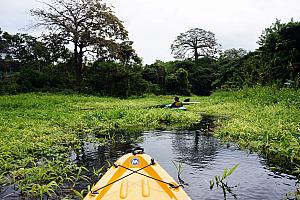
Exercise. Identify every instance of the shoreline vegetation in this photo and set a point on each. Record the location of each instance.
(102, 94)
(38, 131)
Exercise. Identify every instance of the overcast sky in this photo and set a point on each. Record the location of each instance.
(154, 24)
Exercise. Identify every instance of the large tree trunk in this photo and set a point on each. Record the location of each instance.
(80, 61)
(78, 64)
(196, 55)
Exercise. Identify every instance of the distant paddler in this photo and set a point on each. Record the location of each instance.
(185, 102)
(177, 103)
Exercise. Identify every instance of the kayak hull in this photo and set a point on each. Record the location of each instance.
(136, 177)
(175, 108)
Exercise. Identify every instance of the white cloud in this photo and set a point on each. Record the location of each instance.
(154, 24)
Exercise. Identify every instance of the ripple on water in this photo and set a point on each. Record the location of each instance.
(203, 157)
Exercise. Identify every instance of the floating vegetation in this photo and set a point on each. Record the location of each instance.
(263, 119)
(39, 131)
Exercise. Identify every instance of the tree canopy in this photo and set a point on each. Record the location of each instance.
(91, 26)
(34, 64)
(280, 51)
(195, 43)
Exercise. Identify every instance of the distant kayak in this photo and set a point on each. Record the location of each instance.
(136, 176)
(185, 102)
(179, 108)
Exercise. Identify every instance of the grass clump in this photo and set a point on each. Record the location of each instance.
(262, 119)
(39, 131)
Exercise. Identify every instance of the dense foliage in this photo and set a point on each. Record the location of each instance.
(275, 62)
(91, 26)
(39, 131)
(30, 64)
(113, 79)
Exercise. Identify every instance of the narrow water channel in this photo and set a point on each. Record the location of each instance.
(203, 157)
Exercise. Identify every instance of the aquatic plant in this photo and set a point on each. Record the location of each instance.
(219, 181)
(295, 195)
(179, 169)
(39, 131)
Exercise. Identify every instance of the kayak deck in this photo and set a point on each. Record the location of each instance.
(136, 177)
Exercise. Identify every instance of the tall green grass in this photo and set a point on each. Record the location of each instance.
(262, 119)
(38, 131)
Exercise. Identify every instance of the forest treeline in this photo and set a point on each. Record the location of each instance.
(30, 64)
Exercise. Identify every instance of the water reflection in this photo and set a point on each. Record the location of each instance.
(195, 148)
(95, 156)
(203, 157)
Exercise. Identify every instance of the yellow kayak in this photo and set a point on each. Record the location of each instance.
(136, 176)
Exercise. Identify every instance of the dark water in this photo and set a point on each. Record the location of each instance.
(202, 158)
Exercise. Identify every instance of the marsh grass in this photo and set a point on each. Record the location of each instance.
(262, 119)
(38, 131)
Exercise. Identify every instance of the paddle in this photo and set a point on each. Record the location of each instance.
(195, 102)
(187, 101)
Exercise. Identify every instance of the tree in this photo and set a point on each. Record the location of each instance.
(280, 51)
(58, 52)
(231, 54)
(195, 43)
(178, 83)
(2, 44)
(230, 69)
(115, 79)
(90, 25)
(24, 49)
(126, 54)
(200, 74)
(156, 74)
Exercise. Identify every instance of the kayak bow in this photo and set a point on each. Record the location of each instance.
(136, 176)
